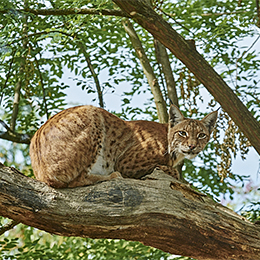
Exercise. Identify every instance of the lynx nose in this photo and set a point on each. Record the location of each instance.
(192, 146)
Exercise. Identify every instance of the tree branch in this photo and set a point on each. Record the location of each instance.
(7, 76)
(69, 11)
(43, 87)
(163, 59)
(148, 71)
(13, 136)
(159, 211)
(92, 71)
(143, 14)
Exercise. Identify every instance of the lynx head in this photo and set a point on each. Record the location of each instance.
(188, 137)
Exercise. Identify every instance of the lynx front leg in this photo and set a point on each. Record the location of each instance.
(90, 179)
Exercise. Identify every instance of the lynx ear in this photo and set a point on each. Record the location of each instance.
(175, 116)
(210, 120)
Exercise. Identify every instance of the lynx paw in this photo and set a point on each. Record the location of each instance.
(114, 175)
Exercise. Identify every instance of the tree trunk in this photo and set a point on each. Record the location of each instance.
(159, 211)
(184, 50)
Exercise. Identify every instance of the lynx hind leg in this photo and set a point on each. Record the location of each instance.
(52, 181)
(90, 179)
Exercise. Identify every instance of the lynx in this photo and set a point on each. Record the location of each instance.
(84, 145)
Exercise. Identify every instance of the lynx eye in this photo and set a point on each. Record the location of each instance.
(183, 133)
(201, 136)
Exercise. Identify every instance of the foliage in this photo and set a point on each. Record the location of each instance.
(35, 52)
(34, 244)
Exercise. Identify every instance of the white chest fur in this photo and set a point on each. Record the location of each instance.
(101, 165)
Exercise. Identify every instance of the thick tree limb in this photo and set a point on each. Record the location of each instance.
(158, 211)
(184, 50)
(93, 73)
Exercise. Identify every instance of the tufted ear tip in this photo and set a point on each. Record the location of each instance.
(210, 120)
(175, 116)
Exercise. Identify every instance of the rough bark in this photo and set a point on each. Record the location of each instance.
(159, 211)
(184, 50)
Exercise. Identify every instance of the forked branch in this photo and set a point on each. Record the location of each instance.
(148, 71)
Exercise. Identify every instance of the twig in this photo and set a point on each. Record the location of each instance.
(43, 88)
(244, 54)
(94, 75)
(7, 76)
(252, 45)
(258, 13)
(11, 43)
(81, 46)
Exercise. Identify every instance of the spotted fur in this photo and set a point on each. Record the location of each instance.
(84, 145)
